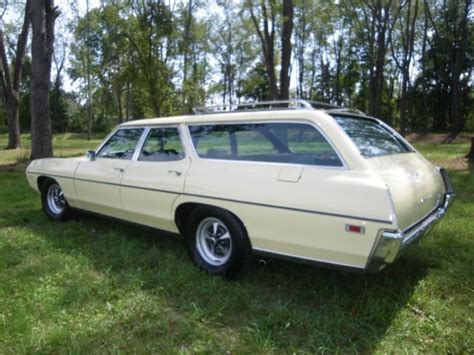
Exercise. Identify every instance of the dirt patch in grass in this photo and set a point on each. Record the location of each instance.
(17, 167)
(439, 138)
(455, 164)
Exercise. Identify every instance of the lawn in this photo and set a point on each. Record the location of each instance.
(92, 285)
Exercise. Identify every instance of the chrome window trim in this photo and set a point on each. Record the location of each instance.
(299, 121)
(148, 130)
(106, 139)
(111, 134)
(140, 144)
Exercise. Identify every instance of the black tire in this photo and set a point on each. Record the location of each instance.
(239, 257)
(57, 210)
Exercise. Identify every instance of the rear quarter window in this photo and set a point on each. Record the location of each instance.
(294, 143)
(372, 139)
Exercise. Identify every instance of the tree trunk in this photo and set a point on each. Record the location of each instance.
(42, 17)
(313, 73)
(187, 39)
(403, 103)
(338, 54)
(286, 49)
(461, 32)
(127, 103)
(119, 105)
(267, 40)
(470, 155)
(11, 86)
(378, 35)
(424, 86)
(13, 116)
(88, 78)
(300, 44)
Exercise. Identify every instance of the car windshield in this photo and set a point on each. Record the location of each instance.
(372, 138)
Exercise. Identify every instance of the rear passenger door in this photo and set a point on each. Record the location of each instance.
(152, 182)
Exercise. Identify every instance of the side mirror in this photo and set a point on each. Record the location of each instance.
(90, 155)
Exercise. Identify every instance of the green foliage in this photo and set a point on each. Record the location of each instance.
(450, 45)
(254, 87)
(158, 58)
(138, 54)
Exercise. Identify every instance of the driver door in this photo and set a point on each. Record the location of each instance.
(97, 182)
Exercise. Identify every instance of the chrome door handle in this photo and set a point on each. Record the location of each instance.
(176, 172)
(119, 170)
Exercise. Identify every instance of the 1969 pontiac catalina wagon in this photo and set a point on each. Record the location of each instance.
(293, 179)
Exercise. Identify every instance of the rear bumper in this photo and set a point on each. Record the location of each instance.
(391, 244)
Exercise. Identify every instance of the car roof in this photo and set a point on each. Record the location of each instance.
(249, 115)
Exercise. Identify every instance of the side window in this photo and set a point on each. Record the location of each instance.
(211, 141)
(162, 144)
(251, 141)
(304, 139)
(295, 143)
(122, 144)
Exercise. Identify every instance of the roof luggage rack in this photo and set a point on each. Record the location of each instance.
(293, 104)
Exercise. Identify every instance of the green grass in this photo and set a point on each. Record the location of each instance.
(65, 145)
(91, 285)
(443, 151)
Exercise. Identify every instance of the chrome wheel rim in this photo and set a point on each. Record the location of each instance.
(55, 199)
(213, 241)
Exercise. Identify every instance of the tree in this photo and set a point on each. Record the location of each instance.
(265, 23)
(451, 31)
(446, 65)
(11, 86)
(192, 38)
(406, 20)
(377, 17)
(235, 51)
(88, 79)
(42, 14)
(470, 155)
(286, 34)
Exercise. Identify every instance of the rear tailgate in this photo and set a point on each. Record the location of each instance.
(416, 186)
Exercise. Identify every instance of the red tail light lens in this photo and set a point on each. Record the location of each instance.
(351, 228)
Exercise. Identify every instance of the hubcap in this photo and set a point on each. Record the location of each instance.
(213, 241)
(55, 199)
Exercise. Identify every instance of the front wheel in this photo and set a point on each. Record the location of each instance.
(54, 203)
(217, 242)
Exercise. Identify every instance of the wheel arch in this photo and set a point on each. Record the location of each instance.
(184, 210)
(41, 180)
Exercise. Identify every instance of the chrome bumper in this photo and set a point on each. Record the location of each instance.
(391, 244)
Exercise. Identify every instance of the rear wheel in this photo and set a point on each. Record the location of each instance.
(217, 242)
(54, 203)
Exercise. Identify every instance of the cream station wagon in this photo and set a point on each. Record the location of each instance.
(291, 179)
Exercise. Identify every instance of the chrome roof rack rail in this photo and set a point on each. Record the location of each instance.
(323, 105)
(257, 105)
(345, 109)
(292, 104)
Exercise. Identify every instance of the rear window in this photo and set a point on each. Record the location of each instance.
(295, 143)
(372, 139)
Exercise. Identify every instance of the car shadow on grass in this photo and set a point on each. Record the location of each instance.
(281, 306)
